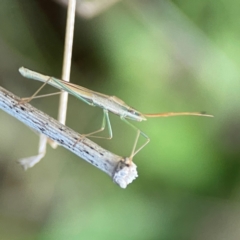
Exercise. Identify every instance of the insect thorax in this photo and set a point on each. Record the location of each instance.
(111, 103)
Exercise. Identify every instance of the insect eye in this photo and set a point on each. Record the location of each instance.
(132, 111)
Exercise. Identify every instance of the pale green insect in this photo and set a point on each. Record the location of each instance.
(108, 103)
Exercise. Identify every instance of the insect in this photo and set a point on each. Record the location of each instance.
(107, 103)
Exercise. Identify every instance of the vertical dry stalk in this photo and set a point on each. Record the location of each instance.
(67, 59)
(31, 161)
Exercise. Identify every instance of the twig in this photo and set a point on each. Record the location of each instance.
(115, 166)
(67, 58)
(62, 111)
(91, 9)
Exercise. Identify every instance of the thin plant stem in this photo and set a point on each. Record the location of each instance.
(67, 59)
(32, 160)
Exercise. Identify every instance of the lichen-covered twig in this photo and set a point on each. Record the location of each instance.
(115, 166)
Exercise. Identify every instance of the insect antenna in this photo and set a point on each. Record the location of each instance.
(172, 114)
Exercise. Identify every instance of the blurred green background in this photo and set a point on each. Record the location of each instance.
(158, 56)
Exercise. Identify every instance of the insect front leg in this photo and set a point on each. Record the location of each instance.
(139, 132)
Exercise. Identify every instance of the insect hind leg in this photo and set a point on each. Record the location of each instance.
(26, 100)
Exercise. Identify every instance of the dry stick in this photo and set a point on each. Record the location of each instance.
(67, 58)
(31, 161)
(115, 166)
(91, 9)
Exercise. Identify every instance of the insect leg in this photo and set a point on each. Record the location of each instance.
(26, 100)
(105, 119)
(134, 151)
(92, 134)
